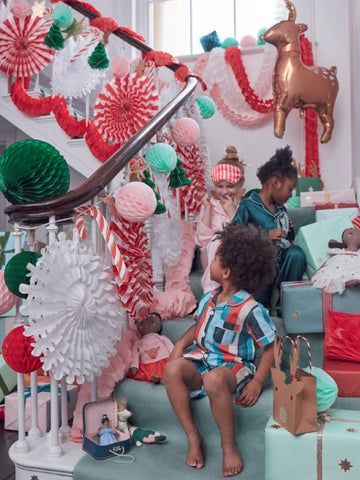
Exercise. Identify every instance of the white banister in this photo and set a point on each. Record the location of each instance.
(34, 431)
(65, 429)
(94, 241)
(22, 445)
(55, 448)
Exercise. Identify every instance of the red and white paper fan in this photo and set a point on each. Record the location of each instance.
(22, 49)
(124, 106)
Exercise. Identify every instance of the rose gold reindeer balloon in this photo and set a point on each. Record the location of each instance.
(294, 84)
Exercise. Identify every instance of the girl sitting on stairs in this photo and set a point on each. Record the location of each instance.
(230, 326)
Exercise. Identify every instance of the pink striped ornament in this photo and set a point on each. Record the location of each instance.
(116, 257)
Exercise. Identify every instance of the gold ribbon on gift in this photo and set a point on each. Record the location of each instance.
(323, 418)
(327, 196)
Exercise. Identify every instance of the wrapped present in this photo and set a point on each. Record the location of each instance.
(336, 212)
(314, 238)
(331, 453)
(11, 407)
(346, 375)
(304, 308)
(308, 199)
(7, 379)
(308, 184)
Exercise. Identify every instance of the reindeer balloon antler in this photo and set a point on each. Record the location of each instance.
(292, 10)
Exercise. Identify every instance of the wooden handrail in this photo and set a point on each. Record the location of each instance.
(63, 206)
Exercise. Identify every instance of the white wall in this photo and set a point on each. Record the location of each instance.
(328, 22)
(355, 71)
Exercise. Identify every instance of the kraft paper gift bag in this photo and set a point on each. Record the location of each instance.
(294, 402)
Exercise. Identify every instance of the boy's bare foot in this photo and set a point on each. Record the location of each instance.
(195, 457)
(232, 463)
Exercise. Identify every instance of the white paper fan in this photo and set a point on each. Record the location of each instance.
(74, 314)
(72, 76)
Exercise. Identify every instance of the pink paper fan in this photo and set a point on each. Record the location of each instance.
(22, 49)
(124, 106)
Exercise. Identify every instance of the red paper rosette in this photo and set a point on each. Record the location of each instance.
(22, 49)
(17, 351)
(124, 106)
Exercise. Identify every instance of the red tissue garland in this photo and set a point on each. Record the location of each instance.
(234, 59)
(98, 147)
(311, 119)
(34, 107)
(73, 127)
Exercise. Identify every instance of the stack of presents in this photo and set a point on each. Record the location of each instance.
(325, 441)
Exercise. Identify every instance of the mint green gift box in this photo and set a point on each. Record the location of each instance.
(7, 379)
(332, 453)
(313, 240)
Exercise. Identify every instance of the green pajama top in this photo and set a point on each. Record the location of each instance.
(252, 210)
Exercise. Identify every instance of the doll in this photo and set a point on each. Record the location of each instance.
(151, 351)
(343, 269)
(137, 435)
(106, 434)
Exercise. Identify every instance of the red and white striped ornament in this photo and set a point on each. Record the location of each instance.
(116, 257)
(125, 106)
(22, 49)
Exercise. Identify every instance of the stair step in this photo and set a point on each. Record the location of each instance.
(151, 409)
(77, 142)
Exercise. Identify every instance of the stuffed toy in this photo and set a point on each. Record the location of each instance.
(343, 269)
(151, 351)
(137, 435)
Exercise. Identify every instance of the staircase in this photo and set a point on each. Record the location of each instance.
(45, 128)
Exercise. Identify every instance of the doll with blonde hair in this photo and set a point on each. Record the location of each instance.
(219, 208)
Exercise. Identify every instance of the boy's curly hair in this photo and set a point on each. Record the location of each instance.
(249, 253)
(280, 165)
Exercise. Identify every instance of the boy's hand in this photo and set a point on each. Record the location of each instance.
(277, 233)
(250, 393)
(176, 353)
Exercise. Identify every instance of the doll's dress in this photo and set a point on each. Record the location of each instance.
(106, 436)
(339, 269)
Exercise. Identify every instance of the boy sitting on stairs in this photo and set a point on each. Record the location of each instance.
(230, 326)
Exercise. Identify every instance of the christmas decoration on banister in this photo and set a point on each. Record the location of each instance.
(22, 49)
(17, 350)
(17, 271)
(177, 178)
(125, 105)
(160, 208)
(44, 175)
(74, 315)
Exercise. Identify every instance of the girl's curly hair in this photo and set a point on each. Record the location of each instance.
(249, 253)
(280, 165)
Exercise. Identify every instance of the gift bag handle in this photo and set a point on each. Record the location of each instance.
(300, 338)
(278, 352)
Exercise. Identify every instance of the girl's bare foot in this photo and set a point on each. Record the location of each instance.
(195, 457)
(232, 463)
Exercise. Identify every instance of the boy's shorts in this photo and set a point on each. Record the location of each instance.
(242, 373)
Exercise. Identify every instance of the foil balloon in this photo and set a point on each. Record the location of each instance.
(294, 84)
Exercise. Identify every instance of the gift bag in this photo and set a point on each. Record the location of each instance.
(294, 402)
(342, 336)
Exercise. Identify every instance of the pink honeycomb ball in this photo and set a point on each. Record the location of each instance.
(248, 41)
(119, 66)
(135, 202)
(185, 132)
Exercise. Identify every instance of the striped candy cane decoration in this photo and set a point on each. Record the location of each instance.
(116, 257)
(356, 222)
(300, 338)
(93, 41)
